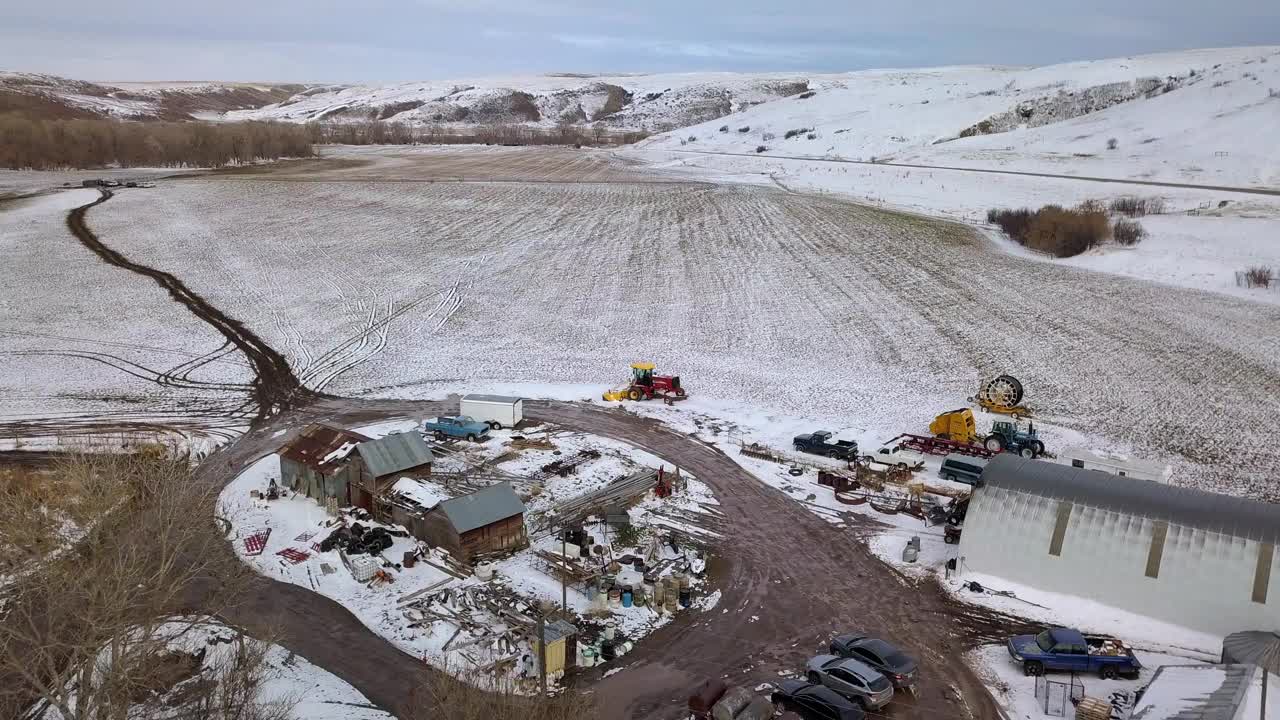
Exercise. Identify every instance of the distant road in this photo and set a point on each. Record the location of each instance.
(1121, 181)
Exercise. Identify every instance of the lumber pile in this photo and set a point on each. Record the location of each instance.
(620, 492)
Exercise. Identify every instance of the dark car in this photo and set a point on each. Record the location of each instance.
(815, 702)
(894, 664)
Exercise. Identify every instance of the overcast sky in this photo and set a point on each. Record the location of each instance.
(385, 40)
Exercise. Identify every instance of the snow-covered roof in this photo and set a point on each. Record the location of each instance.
(1232, 516)
(1195, 692)
(482, 507)
(426, 494)
(504, 399)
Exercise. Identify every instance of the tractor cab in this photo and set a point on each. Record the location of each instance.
(642, 374)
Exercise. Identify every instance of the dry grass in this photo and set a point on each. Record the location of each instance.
(444, 697)
(1137, 207)
(1053, 229)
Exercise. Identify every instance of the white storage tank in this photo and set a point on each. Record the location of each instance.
(497, 411)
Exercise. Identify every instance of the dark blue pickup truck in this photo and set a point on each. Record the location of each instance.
(1066, 649)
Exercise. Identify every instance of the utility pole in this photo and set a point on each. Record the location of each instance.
(564, 587)
(542, 651)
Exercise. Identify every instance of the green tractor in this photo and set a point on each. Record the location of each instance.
(1006, 436)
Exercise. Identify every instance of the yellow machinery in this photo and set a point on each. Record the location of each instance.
(956, 425)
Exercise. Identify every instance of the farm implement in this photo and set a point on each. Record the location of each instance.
(1002, 394)
(645, 385)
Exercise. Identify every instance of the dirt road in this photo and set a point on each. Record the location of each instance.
(788, 582)
(989, 171)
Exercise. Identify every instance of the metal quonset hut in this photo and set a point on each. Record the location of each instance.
(1198, 559)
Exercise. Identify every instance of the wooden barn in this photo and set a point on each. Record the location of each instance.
(318, 464)
(488, 520)
(383, 461)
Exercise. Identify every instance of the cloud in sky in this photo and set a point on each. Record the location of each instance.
(385, 40)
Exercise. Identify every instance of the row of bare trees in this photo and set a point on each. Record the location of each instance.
(374, 132)
(47, 144)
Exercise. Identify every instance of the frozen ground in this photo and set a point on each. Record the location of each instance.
(300, 523)
(381, 288)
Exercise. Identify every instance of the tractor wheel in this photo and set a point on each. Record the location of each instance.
(1037, 447)
(635, 394)
(1027, 452)
(994, 443)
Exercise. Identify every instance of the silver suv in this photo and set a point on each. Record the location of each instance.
(851, 678)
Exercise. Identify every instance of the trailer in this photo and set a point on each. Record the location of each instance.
(496, 411)
(940, 446)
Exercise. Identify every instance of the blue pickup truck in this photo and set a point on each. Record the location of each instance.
(1066, 649)
(462, 426)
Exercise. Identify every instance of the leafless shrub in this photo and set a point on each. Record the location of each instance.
(1092, 205)
(1053, 229)
(1273, 93)
(761, 148)
(767, 136)
(812, 136)
(1259, 276)
(795, 132)
(693, 138)
(807, 95)
(1128, 232)
(724, 128)
(1131, 206)
(744, 129)
(1112, 144)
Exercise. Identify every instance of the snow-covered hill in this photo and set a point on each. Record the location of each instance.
(631, 102)
(1205, 116)
(50, 96)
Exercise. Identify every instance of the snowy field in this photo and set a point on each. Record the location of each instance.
(802, 304)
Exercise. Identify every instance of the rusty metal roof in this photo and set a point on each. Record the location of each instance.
(317, 444)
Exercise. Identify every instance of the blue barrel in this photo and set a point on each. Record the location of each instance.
(686, 596)
(626, 596)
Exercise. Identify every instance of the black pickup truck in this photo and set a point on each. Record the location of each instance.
(820, 443)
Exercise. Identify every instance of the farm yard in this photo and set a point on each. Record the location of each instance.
(404, 288)
(545, 272)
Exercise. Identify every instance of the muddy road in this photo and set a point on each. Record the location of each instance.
(274, 386)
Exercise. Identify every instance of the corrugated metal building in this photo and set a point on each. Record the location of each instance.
(317, 463)
(384, 461)
(1198, 559)
(488, 520)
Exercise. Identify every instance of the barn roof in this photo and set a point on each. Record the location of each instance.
(321, 446)
(482, 507)
(394, 453)
(1233, 516)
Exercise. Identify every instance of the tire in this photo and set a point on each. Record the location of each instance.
(1108, 672)
(1027, 452)
(902, 466)
(471, 437)
(862, 702)
(951, 478)
(1037, 447)
(867, 459)
(813, 678)
(635, 394)
(946, 539)
(1032, 669)
(496, 426)
(994, 443)
(440, 435)
(834, 454)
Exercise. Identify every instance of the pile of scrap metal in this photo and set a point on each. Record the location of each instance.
(359, 540)
(713, 700)
(487, 616)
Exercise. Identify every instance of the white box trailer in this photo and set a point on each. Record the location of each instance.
(496, 411)
(1116, 464)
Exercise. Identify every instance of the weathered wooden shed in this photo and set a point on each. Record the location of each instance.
(384, 461)
(317, 463)
(488, 520)
(561, 641)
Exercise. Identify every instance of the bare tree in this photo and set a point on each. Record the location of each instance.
(446, 697)
(86, 634)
